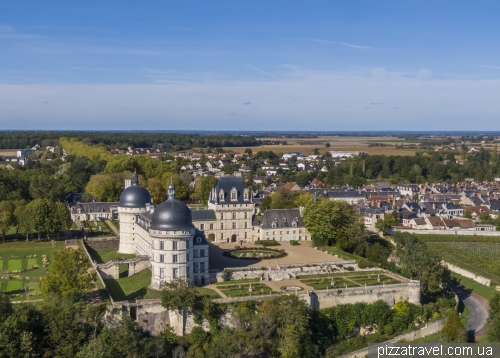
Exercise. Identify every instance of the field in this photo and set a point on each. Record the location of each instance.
(482, 258)
(349, 279)
(478, 254)
(22, 262)
(338, 143)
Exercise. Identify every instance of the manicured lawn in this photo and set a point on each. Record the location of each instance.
(15, 265)
(103, 256)
(353, 279)
(243, 289)
(133, 287)
(429, 338)
(482, 290)
(116, 223)
(14, 285)
(202, 291)
(336, 251)
(104, 229)
(238, 281)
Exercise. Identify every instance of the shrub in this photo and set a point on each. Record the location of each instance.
(268, 243)
(294, 242)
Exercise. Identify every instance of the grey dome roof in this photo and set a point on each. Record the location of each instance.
(172, 214)
(135, 196)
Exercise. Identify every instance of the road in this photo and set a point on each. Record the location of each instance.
(478, 311)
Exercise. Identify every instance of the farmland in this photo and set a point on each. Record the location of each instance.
(337, 143)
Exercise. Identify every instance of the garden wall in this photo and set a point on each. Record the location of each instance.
(451, 232)
(430, 328)
(391, 294)
(480, 279)
(103, 243)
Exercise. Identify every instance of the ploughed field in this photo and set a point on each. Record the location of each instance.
(22, 267)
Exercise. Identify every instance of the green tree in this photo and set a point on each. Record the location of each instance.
(203, 186)
(39, 213)
(7, 218)
(377, 253)
(68, 274)
(23, 220)
(494, 319)
(178, 295)
(467, 215)
(453, 330)
(107, 187)
(157, 190)
(60, 218)
(332, 219)
(46, 187)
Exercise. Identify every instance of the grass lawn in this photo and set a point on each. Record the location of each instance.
(341, 254)
(429, 338)
(116, 223)
(104, 231)
(103, 256)
(202, 291)
(13, 286)
(15, 265)
(247, 280)
(353, 279)
(133, 287)
(243, 289)
(482, 290)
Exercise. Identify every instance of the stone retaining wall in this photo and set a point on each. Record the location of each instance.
(111, 269)
(480, 279)
(430, 328)
(103, 243)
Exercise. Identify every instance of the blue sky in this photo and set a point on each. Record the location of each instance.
(250, 65)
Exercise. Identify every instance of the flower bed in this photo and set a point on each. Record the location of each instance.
(255, 253)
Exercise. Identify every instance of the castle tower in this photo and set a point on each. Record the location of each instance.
(134, 200)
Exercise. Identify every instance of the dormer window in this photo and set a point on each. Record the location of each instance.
(294, 223)
(245, 194)
(221, 195)
(234, 194)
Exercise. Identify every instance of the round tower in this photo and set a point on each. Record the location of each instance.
(134, 200)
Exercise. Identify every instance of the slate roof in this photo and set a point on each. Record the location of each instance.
(203, 215)
(95, 207)
(199, 238)
(283, 218)
(226, 184)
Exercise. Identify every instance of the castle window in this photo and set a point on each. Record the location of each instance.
(234, 194)
(174, 245)
(234, 225)
(187, 256)
(195, 254)
(222, 226)
(246, 215)
(211, 226)
(187, 271)
(202, 253)
(245, 234)
(195, 267)
(221, 195)
(162, 245)
(202, 267)
(246, 194)
(162, 273)
(162, 258)
(222, 216)
(175, 273)
(202, 227)
(234, 216)
(221, 236)
(175, 258)
(246, 224)
(267, 233)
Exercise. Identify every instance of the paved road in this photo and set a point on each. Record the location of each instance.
(478, 311)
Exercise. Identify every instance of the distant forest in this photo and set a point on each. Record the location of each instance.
(123, 140)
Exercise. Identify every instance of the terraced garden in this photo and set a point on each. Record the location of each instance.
(348, 279)
(22, 266)
(243, 289)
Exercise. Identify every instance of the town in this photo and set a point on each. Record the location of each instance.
(161, 231)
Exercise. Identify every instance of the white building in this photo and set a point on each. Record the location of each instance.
(165, 233)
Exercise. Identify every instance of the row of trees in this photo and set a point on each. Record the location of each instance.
(38, 216)
(168, 141)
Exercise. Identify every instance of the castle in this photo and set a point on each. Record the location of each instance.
(176, 239)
